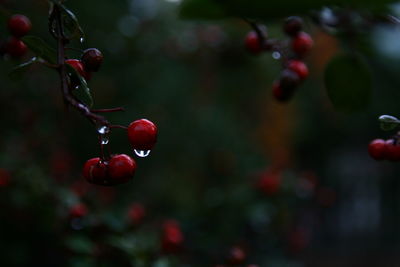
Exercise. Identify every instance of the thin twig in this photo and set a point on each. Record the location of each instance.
(69, 99)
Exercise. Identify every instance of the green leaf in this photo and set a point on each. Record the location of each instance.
(18, 71)
(388, 122)
(348, 82)
(205, 9)
(40, 48)
(80, 244)
(83, 92)
(71, 25)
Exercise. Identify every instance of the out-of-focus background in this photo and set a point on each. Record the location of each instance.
(324, 202)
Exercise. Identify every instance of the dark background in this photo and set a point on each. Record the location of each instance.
(220, 130)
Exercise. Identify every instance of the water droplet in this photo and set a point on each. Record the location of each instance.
(104, 140)
(276, 55)
(103, 129)
(142, 153)
(82, 39)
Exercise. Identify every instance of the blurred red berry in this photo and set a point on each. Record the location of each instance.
(253, 43)
(236, 256)
(78, 210)
(19, 25)
(142, 134)
(15, 47)
(302, 43)
(298, 67)
(172, 237)
(5, 178)
(293, 25)
(269, 182)
(136, 213)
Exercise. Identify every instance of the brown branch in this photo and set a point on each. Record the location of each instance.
(69, 99)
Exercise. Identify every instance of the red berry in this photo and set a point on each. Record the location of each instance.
(121, 168)
(280, 94)
(15, 47)
(172, 237)
(142, 134)
(236, 256)
(293, 25)
(5, 178)
(19, 25)
(78, 66)
(252, 43)
(298, 67)
(392, 150)
(136, 213)
(92, 59)
(269, 182)
(95, 171)
(79, 210)
(289, 80)
(378, 149)
(302, 43)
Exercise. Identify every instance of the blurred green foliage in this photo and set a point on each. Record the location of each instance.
(219, 132)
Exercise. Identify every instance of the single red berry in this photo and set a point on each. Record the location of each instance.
(19, 25)
(15, 47)
(121, 168)
(5, 178)
(298, 67)
(392, 150)
(78, 210)
(378, 149)
(252, 43)
(142, 134)
(95, 171)
(269, 182)
(78, 66)
(302, 43)
(293, 25)
(236, 256)
(92, 59)
(280, 94)
(136, 213)
(172, 237)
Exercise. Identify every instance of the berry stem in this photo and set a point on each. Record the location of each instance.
(118, 126)
(69, 99)
(106, 110)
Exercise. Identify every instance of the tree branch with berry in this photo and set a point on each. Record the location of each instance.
(107, 169)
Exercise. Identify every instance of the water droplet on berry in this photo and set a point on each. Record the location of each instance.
(103, 129)
(142, 153)
(276, 55)
(82, 39)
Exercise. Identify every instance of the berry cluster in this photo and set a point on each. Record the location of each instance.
(380, 149)
(18, 26)
(90, 61)
(294, 69)
(120, 168)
